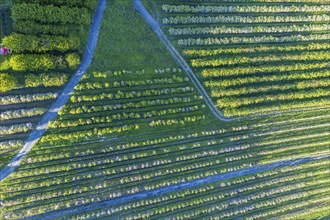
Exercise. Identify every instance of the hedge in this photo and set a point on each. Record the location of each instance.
(7, 82)
(45, 79)
(51, 14)
(31, 27)
(70, 3)
(33, 43)
(33, 62)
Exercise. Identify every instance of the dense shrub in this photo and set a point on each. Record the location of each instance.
(53, 79)
(73, 60)
(5, 64)
(32, 62)
(32, 80)
(71, 3)
(31, 27)
(25, 62)
(7, 82)
(45, 79)
(50, 14)
(33, 43)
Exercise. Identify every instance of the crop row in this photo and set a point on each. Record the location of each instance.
(305, 56)
(121, 73)
(251, 40)
(238, 81)
(21, 113)
(129, 105)
(121, 116)
(244, 19)
(181, 121)
(269, 88)
(256, 49)
(9, 145)
(15, 99)
(254, 1)
(244, 9)
(289, 106)
(12, 129)
(234, 102)
(316, 208)
(130, 83)
(89, 133)
(247, 29)
(237, 71)
(119, 95)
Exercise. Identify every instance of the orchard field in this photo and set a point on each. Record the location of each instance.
(136, 139)
(254, 57)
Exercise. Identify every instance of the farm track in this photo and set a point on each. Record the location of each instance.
(156, 192)
(63, 98)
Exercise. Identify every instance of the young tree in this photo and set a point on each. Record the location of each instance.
(73, 60)
(7, 82)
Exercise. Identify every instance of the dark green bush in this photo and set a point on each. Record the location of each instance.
(32, 62)
(7, 82)
(45, 79)
(51, 14)
(69, 3)
(33, 43)
(73, 60)
(31, 27)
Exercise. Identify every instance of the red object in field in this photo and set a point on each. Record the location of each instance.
(4, 51)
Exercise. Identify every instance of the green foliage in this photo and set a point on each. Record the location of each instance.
(306, 56)
(71, 3)
(5, 64)
(32, 27)
(45, 79)
(32, 80)
(7, 82)
(43, 43)
(73, 60)
(50, 14)
(32, 62)
(53, 79)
